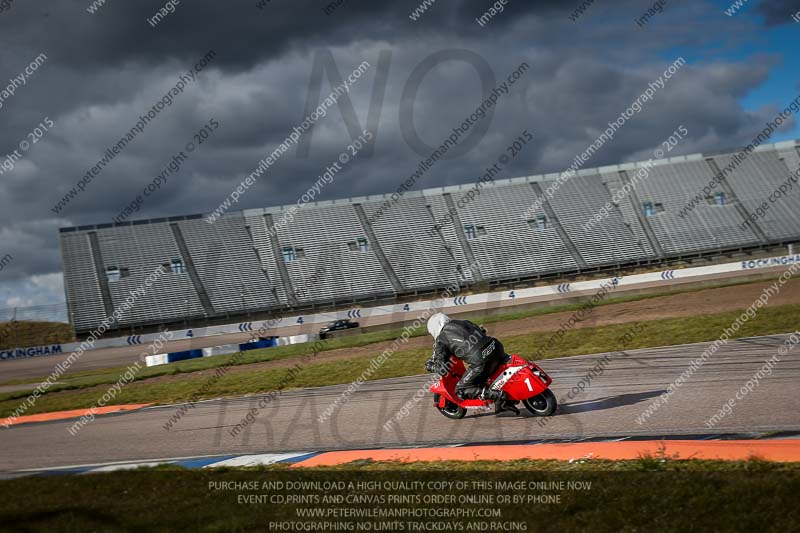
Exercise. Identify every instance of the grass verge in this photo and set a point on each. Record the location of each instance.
(596, 496)
(23, 333)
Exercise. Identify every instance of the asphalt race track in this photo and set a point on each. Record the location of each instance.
(608, 407)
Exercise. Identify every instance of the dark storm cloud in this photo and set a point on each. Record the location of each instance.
(778, 11)
(117, 33)
(105, 70)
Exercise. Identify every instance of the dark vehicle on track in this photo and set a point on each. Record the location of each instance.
(337, 325)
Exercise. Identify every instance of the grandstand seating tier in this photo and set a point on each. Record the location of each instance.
(344, 251)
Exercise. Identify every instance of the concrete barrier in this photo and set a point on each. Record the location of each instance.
(166, 358)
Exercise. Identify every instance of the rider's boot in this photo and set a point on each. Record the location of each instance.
(501, 401)
(506, 405)
(488, 393)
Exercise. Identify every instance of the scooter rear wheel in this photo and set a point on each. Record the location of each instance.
(544, 404)
(450, 410)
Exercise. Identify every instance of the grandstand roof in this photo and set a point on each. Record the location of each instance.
(593, 171)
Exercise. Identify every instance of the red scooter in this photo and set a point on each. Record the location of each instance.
(521, 380)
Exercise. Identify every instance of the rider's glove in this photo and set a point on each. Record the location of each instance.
(435, 367)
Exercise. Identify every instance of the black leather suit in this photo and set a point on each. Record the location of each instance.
(479, 351)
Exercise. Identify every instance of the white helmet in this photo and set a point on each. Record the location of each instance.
(436, 323)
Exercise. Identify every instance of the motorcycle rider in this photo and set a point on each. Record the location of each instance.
(482, 353)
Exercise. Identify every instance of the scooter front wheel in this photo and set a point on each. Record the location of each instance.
(450, 410)
(544, 404)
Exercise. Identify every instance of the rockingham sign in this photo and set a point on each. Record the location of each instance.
(771, 262)
(17, 353)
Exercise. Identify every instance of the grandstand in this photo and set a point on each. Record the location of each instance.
(330, 255)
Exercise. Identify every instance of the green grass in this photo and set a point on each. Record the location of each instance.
(614, 496)
(683, 330)
(20, 334)
(410, 362)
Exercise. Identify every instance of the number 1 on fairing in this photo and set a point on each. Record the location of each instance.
(528, 383)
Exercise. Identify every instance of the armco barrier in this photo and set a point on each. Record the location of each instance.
(413, 309)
